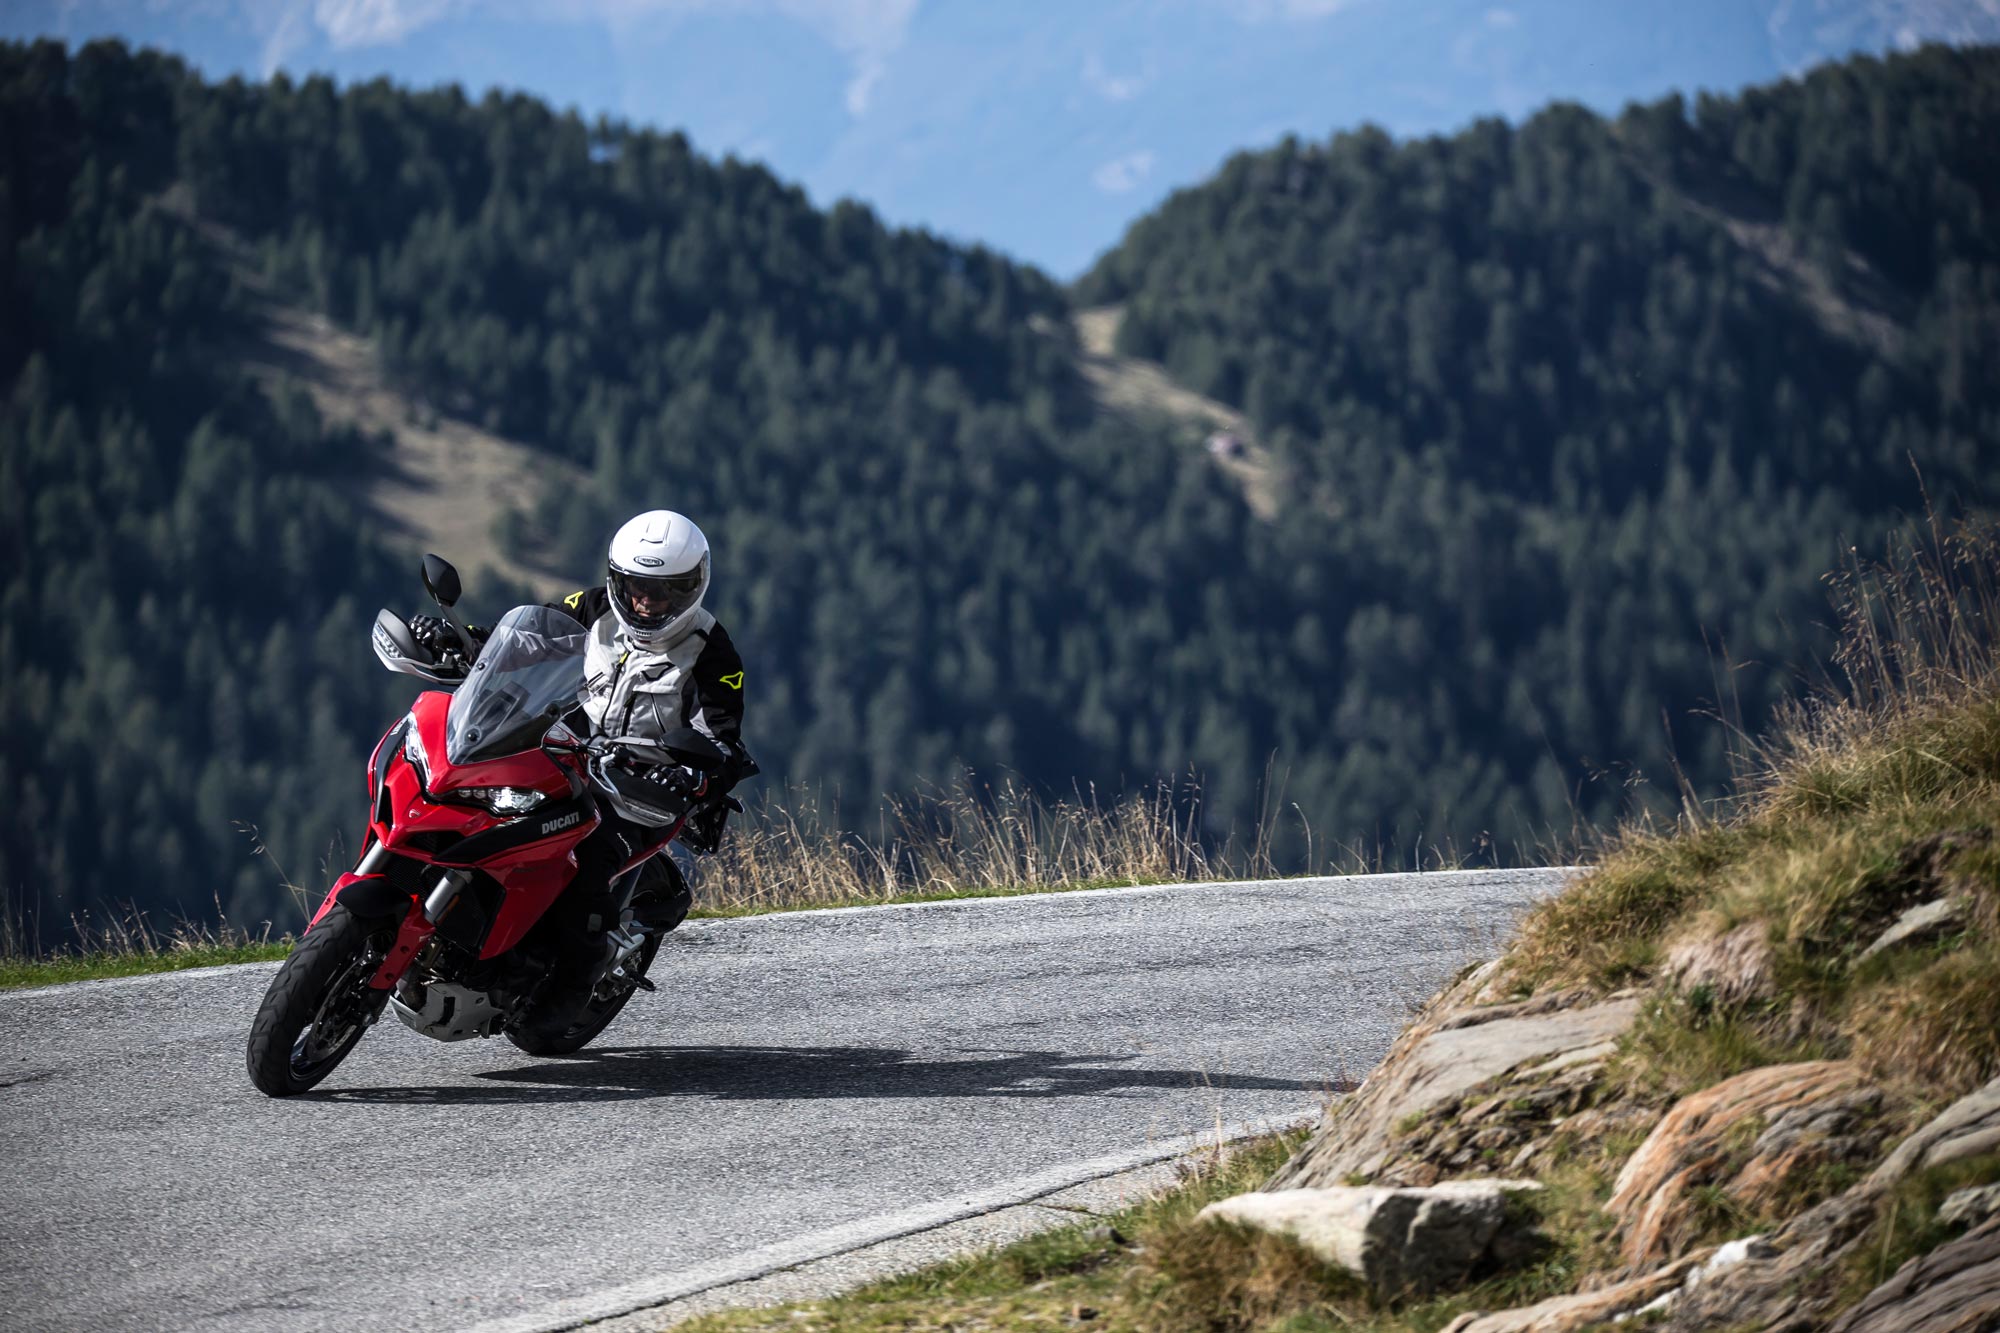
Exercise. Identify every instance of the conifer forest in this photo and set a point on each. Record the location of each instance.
(1562, 424)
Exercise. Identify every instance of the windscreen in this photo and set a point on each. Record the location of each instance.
(529, 674)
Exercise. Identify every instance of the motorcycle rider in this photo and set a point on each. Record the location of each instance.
(657, 662)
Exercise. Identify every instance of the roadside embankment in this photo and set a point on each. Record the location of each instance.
(1743, 1073)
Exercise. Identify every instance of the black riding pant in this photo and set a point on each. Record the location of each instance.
(589, 906)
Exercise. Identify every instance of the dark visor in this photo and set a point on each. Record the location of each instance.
(670, 594)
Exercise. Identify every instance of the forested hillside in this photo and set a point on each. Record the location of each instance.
(1557, 408)
(1579, 406)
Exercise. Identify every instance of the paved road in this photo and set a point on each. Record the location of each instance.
(800, 1083)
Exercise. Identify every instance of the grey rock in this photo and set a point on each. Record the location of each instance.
(1829, 1121)
(1953, 1289)
(1399, 1241)
(1966, 1128)
(1970, 1207)
(1354, 1140)
(1595, 1308)
(1925, 921)
(1779, 1284)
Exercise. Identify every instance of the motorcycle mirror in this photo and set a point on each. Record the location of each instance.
(441, 581)
(561, 737)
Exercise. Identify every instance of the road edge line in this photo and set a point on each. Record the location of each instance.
(631, 1298)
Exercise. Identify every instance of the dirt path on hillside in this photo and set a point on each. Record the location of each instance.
(1134, 386)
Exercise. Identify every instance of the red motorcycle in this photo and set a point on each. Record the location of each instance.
(479, 799)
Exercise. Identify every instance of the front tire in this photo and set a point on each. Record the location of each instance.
(317, 1007)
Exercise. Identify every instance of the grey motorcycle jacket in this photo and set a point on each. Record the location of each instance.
(697, 681)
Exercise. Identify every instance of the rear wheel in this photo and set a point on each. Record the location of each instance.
(564, 1027)
(317, 1006)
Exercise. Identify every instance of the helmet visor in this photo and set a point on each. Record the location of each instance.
(651, 600)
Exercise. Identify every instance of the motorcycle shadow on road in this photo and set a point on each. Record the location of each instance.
(795, 1073)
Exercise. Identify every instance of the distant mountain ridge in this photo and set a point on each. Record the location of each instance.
(1541, 432)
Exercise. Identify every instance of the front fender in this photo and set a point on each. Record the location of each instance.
(365, 896)
(374, 896)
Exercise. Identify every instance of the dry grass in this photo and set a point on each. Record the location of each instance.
(132, 945)
(962, 842)
(1827, 839)
(1939, 1028)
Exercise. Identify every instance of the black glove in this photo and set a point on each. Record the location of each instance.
(434, 633)
(676, 778)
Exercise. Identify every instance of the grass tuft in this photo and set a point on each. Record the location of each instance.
(1939, 1027)
(133, 946)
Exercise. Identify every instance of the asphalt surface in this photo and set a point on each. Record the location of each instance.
(801, 1084)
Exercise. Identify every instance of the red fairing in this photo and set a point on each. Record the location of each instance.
(531, 873)
(532, 884)
(375, 759)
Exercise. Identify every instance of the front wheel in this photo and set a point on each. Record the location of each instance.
(317, 1007)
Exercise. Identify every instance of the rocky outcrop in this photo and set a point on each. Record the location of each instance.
(1486, 1085)
(1966, 1128)
(1583, 1309)
(1750, 1135)
(1651, 1293)
(1480, 1069)
(1970, 1207)
(1953, 1289)
(1785, 1284)
(1790, 1289)
(1398, 1241)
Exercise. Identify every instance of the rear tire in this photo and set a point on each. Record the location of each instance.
(317, 1007)
(568, 1028)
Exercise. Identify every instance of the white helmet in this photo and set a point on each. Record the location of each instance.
(661, 558)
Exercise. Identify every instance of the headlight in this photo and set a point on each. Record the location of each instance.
(503, 800)
(413, 750)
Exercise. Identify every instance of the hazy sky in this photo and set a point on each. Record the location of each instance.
(1036, 126)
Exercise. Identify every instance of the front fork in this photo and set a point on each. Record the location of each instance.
(372, 894)
(419, 924)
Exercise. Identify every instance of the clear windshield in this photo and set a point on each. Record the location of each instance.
(528, 674)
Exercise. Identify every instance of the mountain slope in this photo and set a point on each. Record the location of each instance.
(1538, 434)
